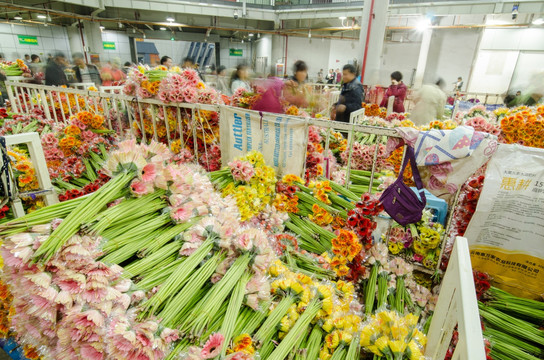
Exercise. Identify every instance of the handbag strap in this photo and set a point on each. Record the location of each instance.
(410, 156)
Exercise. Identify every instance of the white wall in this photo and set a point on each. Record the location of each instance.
(451, 55)
(122, 46)
(50, 40)
(343, 52)
(507, 59)
(263, 54)
(398, 56)
(230, 62)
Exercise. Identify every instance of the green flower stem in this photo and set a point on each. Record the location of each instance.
(370, 290)
(498, 336)
(86, 211)
(233, 309)
(269, 327)
(178, 278)
(296, 331)
(313, 345)
(140, 266)
(170, 312)
(382, 289)
(353, 350)
(158, 275)
(202, 314)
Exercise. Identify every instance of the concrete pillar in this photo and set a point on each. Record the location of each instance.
(74, 38)
(375, 14)
(422, 59)
(93, 37)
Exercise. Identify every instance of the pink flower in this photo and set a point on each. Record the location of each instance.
(244, 242)
(170, 335)
(189, 94)
(212, 348)
(181, 214)
(149, 172)
(140, 188)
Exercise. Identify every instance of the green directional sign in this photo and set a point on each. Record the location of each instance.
(236, 52)
(28, 40)
(108, 45)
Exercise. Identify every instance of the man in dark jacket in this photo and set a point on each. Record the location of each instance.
(85, 73)
(351, 95)
(54, 72)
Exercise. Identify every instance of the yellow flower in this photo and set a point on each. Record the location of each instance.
(419, 337)
(366, 335)
(394, 248)
(411, 319)
(324, 354)
(374, 349)
(415, 351)
(328, 325)
(285, 324)
(346, 337)
(327, 305)
(397, 346)
(381, 343)
(305, 279)
(332, 340)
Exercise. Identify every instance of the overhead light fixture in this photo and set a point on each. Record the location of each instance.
(242, 41)
(102, 27)
(538, 21)
(170, 19)
(423, 24)
(133, 30)
(42, 16)
(309, 34)
(18, 17)
(120, 25)
(342, 18)
(258, 35)
(251, 35)
(162, 28)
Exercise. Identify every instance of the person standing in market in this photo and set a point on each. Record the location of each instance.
(320, 77)
(351, 94)
(458, 84)
(54, 72)
(396, 89)
(338, 76)
(331, 76)
(240, 79)
(85, 73)
(430, 101)
(166, 61)
(296, 91)
(222, 81)
(112, 74)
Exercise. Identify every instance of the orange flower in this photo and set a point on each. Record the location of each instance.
(337, 261)
(31, 353)
(342, 270)
(200, 85)
(84, 116)
(97, 121)
(72, 130)
(23, 166)
(25, 179)
(153, 87)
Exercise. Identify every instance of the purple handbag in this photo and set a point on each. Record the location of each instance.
(401, 202)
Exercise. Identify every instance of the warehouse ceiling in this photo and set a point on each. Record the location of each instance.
(233, 19)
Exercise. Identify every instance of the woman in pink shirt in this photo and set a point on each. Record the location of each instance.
(396, 89)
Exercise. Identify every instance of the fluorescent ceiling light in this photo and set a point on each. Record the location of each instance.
(250, 34)
(18, 17)
(102, 27)
(538, 21)
(170, 19)
(162, 28)
(42, 16)
(342, 18)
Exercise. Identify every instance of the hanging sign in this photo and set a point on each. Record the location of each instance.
(28, 40)
(236, 52)
(108, 45)
(506, 233)
(281, 139)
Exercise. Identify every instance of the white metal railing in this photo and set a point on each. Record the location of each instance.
(129, 116)
(457, 306)
(35, 152)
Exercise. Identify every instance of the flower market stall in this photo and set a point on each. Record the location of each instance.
(166, 246)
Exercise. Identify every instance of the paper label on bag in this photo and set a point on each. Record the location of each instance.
(506, 233)
(281, 139)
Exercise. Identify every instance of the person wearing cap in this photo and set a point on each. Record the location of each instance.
(54, 72)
